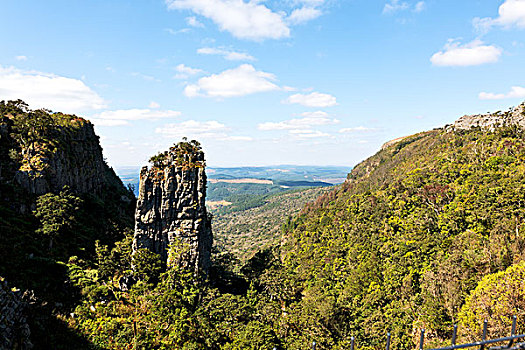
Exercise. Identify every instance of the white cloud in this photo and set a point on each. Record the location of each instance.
(240, 81)
(227, 54)
(308, 134)
(309, 120)
(314, 99)
(202, 130)
(511, 13)
(45, 90)
(124, 116)
(192, 127)
(515, 92)
(356, 129)
(303, 15)
(244, 20)
(472, 54)
(420, 7)
(175, 32)
(194, 22)
(154, 105)
(395, 6)
(185, 72)
(21, 58)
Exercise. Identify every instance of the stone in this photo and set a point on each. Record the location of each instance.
(171, 209)
(14, 329)
(490, 121)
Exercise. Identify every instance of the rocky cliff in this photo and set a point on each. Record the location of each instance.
(171, 209)
(42, 152)
(490, 121)
(14, 330)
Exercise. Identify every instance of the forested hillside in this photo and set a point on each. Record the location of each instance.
(407, 238)
(243, 232)
(58, 198)
(426, 233)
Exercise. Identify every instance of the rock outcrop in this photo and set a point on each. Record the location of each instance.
(171, 211)
(14, 329)
(41, 152)
(490, 121)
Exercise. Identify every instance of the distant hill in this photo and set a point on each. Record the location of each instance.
(244, 231)
(282, 175)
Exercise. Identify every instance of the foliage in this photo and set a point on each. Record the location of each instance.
(497, 298)
(56, 213)
(184, 154)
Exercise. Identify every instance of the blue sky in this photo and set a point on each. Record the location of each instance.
(317, 82)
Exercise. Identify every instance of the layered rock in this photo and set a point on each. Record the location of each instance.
(80, 166)
(41, 152)
(171, 211)
(490, 121)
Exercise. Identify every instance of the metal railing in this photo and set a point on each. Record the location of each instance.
(484, 344)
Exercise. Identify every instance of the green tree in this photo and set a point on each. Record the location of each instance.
(56, 213)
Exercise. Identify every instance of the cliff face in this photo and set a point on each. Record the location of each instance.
(80, 166)
(171, 211)
(42, 152)
(490, 121)
(14, 330)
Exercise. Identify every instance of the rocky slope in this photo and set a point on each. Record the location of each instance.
(14, 329)
(490, 121)
(171, 208)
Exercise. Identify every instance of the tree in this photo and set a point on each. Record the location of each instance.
(56, 213)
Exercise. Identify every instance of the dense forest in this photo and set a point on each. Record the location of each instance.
(426, 233)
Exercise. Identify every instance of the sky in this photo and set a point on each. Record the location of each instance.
(306, 82)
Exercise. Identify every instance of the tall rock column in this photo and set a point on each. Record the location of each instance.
(171, 208)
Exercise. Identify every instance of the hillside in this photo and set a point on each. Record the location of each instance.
(244, 232)
(426, 233)
(408, 237)
(57, 198)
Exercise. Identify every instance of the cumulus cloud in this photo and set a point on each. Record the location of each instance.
(184, 72)
(515, 92)
(303, 15)
(314, 99)
(308, 120)
(471, 54)
(124, 116)
(227, 54)
(194, 22)
(240, 81)
(195, 129)
(511, 13)
(244, 20)
(21, 58)
(45, 90)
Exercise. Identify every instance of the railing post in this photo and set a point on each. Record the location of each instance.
(454, 334)
(484, 334)
(352, 340)
(512, 331)
(422, 339)
(388, 341)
